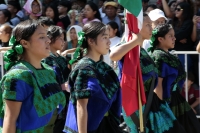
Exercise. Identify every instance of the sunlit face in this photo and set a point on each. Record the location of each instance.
(158, 22)
(73, 35)
(168, 41)
(3, 34)
(35, 7)
(38, 45)
(102, 43)
(112, 32)
(110, 11)
(49, 13)
(146, 30)
(89, 13)
(59, 42)
(178, 11)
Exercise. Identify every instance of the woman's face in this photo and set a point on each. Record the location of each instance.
(102, 43)
(173, 6)
(38, 46)
(3, 19)
(89, 13)
(59, 42)
(146, 31)
(49, 13)
(73, 34)
(35, 7)
(168, 41)
(178, 11)
(112, 32)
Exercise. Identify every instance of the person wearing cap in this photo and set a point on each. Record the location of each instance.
(157, 17)
(3, 6)
(14, 7)
(111, 14)
(63, 8)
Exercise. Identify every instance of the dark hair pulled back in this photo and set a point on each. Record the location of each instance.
(91, 30)
(53, 32)
(159, 31)
(23, 30)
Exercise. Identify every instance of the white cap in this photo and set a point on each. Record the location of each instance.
(156, 14)
(3, 6)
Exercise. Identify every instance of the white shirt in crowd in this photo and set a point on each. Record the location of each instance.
(146, 44)
(114, 41)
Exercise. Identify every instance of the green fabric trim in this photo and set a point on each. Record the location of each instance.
(180, 109)
(44, 76)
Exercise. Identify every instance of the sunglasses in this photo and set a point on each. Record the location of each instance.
(178, 9)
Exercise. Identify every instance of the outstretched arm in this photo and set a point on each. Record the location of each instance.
(118, 52)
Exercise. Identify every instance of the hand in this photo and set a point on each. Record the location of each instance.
(196, 19)
(183, 41)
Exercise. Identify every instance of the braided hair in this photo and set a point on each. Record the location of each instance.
(53, 32)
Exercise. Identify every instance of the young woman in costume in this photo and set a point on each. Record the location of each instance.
(30, 93)
(158, 118)
(171, 77)
(60, 65)
(95, 103)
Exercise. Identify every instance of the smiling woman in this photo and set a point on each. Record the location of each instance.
(28, 95)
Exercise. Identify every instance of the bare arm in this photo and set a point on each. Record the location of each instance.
(167, 10)
(68, 51)
(118, 52)
(197, 102)
(159, 89)
(82, 115)
(198, 47)
(194, 30)
(5, 48)
(11, 114)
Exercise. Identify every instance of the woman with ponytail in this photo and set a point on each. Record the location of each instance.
(29, 92)
(171, 77)
(95, 102)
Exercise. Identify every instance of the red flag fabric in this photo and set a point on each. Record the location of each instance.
(131, 73)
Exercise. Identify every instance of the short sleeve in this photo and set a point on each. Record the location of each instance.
(163, 66)
(80, 88)
(15, 89)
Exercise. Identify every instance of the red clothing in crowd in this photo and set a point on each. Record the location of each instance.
(193, 94)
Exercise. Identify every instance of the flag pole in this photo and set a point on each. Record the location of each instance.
(140, 109)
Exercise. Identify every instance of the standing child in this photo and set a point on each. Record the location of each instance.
(60, 65)
(171, 76)
(29, 92)
(95, 102)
